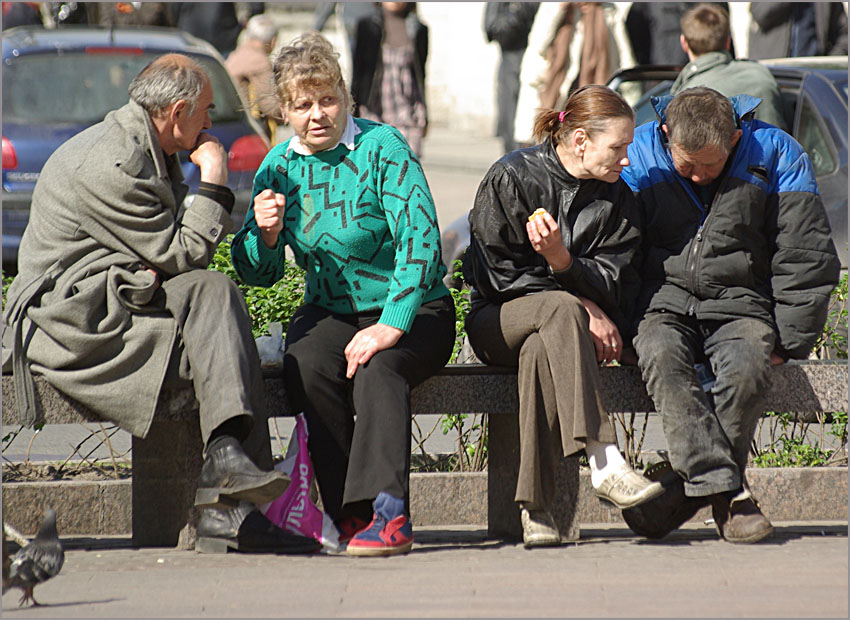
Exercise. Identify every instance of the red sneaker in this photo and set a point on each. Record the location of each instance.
(389, 533)
(348, 527)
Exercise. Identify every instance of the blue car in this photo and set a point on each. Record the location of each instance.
(58, 82)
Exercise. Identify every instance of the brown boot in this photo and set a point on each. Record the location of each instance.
(739, 520)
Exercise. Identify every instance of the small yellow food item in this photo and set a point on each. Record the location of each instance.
(536, 213)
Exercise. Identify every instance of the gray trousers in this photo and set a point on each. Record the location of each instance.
(708, 435)
(546, 336)
(216, 354)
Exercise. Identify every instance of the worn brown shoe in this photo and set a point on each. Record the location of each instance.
(739, 520)
(538, 528)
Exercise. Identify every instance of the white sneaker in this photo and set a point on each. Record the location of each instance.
(538, 528)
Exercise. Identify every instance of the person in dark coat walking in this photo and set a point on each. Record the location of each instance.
(738, 266)
(508, 23)
(783, 29)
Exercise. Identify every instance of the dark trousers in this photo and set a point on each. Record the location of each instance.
(507, 94)
(546, 336)
(708, 436)
(217, 355)
(355, 462)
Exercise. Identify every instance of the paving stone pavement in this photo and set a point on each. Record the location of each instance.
(456, 572)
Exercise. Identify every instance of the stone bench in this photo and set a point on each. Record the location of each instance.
(167, 463)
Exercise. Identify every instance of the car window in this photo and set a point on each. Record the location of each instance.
(813, 137)
(83, 88)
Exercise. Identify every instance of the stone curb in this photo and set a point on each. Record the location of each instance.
(104, 508)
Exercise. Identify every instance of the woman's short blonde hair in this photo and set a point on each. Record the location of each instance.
(309, 62)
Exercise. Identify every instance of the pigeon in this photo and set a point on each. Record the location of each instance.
(38, 561)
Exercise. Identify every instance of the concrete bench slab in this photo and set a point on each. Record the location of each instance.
(166, 464)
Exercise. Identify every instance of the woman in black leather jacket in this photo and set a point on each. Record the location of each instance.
(551, 265)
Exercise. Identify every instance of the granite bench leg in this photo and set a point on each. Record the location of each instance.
(503, 466)
(166, 467)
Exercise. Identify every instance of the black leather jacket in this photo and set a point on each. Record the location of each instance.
(597, 222)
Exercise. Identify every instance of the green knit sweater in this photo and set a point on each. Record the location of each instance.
(361, 223)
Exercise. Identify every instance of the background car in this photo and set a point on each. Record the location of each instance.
(58, 82)
(814, 91)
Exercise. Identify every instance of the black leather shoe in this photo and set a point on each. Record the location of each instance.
(229, 476)
(244, 528)
(660, 516)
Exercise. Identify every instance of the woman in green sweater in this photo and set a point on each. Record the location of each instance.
(350, 200)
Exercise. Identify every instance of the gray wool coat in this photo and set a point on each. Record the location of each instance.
(83, 310)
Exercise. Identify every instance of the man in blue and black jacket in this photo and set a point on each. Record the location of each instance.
(737, 269)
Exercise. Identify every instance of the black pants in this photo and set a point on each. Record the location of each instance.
(355, 462)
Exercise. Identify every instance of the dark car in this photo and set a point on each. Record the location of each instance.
(58, 82)
(814, 91)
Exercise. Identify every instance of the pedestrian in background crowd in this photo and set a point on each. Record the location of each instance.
(508, 23)
(251, 69)
(349, 12)
(782, 29)
(550, 261)
(572, 44)
(349, 198)
(388, 72)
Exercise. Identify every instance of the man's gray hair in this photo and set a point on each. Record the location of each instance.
(700, 117)
(166, 80)
(261, 28)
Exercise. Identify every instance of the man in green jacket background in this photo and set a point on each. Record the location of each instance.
(706, 39)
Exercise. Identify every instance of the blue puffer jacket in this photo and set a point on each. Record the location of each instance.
(762, 250)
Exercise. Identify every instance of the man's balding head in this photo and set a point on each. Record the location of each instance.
(168, 79)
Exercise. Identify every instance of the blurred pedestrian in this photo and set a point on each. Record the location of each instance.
(706, 39)
(790, 29)
(654, 29)
(349, 12)
(388, 73)
(251, 69)
(508, 23)
(216, 22)
(574, 44)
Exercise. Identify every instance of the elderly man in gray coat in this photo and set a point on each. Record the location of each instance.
(113, 301)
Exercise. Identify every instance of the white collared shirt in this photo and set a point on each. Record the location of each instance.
(347, 138)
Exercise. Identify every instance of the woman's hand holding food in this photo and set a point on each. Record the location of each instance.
(545, 238)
